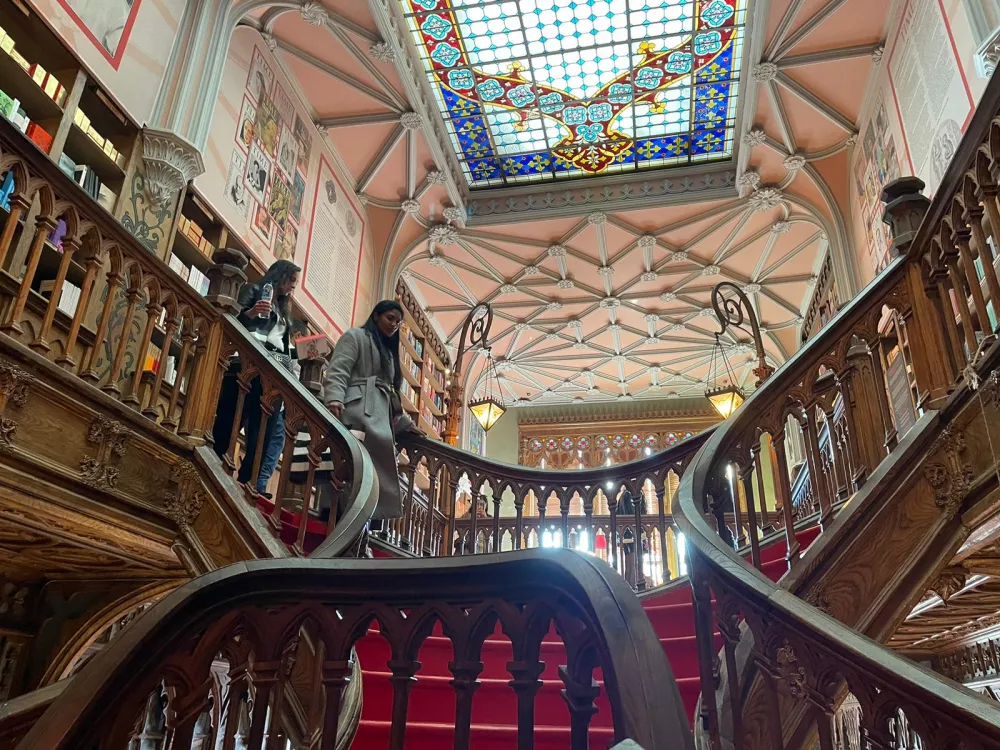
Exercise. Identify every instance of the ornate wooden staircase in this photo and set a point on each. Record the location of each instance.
(528, 647)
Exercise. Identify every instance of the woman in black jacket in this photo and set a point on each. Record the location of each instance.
(270, 322)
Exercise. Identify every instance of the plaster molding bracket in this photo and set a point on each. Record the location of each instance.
(170, 162)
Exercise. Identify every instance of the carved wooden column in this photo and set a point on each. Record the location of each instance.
(962, 237)
(973, 217)
(930, 349)
(70, 246)
(869, 430)
(949, 257)
(784, 490)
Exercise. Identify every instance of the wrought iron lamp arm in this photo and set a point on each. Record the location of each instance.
(730, 313)
(477, 336)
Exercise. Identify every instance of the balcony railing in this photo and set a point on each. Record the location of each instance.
(131, 304)
(803, 663)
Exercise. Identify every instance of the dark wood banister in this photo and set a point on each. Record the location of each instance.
(600, 620)
(795, 641)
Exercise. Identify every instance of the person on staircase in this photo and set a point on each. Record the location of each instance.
(361, 389)
(269, 320)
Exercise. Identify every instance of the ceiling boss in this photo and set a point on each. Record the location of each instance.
(536, 89)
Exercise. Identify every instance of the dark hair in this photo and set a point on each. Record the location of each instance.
(387, 345)
(279, 272)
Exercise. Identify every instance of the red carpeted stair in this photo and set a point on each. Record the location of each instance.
(431, 715)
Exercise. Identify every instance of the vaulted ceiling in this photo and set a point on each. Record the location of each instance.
(601, 286)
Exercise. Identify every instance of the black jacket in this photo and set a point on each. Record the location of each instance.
(250, 296)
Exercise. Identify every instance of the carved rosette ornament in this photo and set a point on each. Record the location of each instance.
(949, 475)
(15, 384)
(754, 137)
(818, 600)
(112, 439)
(314, 13)
(184, 501)
(170, 163)
(789, 671)
(382, 52)
(949, 582)
(765, 199)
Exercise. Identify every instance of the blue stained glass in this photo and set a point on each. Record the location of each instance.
(649, 78)
(436, 27)
(521, 96)
(717, 13)
(462, 80)
(445, 54)
(532, 89)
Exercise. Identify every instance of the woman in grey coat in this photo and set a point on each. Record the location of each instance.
(361, 388)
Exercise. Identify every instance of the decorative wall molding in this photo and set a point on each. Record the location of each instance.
(581, 198)
(112, 438)
(171, 162)
(950, 475)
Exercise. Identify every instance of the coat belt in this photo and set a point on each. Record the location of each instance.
(371, 384)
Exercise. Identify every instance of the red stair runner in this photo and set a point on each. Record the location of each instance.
(431, 715)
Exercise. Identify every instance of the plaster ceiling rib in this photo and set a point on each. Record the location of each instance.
(766, 272)
(737, 228)
(365, 60)
(376, 118)
(491, 273)
(830, 55)
(338, 74)
(378, 161)
(784, 24)
(450, 292)
(729, 207)
(815, 102)
(764, 255)
(411, 163)
(806, 28)
(744, 244)
(779, 109)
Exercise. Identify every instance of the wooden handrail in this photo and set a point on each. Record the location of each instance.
(808, 661)
(254, 614)
(132, 304)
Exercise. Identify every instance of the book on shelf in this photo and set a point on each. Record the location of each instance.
(178, 266)
(87, 179)
(67, 165)
(8, 105)
(40, 136)
(198, 281)
(69, 297)
(106, 198)
(6, 190)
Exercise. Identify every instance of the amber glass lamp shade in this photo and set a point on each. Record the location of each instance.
(726, 400)
(487, 411)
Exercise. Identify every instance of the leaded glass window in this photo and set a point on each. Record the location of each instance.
(542, 89)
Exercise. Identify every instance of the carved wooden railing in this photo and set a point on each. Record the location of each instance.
(564, 503)
(804, 661)
(131, 304)
(233, 634)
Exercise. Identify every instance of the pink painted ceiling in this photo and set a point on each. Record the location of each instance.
(608, 304)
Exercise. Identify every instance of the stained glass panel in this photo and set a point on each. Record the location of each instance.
(533, 90)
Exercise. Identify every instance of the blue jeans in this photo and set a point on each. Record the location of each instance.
(272, 449)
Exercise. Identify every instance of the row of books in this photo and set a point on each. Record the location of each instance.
(89, 180)
(436, 375)
(407, 391)
(434, 422)
(417, 344)
(83, 122)
(406, 361)
(12, 110)
(195, 278)
(45, 80)
(152, 364)
(193, 232)
(432, 396)
(69, 297)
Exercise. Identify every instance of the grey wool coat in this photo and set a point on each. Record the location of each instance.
(355, 378)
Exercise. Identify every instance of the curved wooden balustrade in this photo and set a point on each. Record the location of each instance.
(806, 662)
(131, 302)
(565, 501)
(250, 618)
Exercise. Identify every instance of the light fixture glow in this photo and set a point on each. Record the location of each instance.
(487, 411)
(726, 400)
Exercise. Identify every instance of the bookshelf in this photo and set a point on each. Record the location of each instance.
(425, 365)
(47, 94)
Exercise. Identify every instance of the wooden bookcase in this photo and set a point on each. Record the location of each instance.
(74, 115)
(426, 367)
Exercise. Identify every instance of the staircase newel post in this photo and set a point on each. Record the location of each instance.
(465, 683)
(402, 679)
(526, 684)
(905, 208)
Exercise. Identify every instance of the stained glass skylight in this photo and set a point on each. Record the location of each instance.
(542, 89)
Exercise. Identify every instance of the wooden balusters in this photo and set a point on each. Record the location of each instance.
(784, 498)
(43, 227)
(41, 343)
